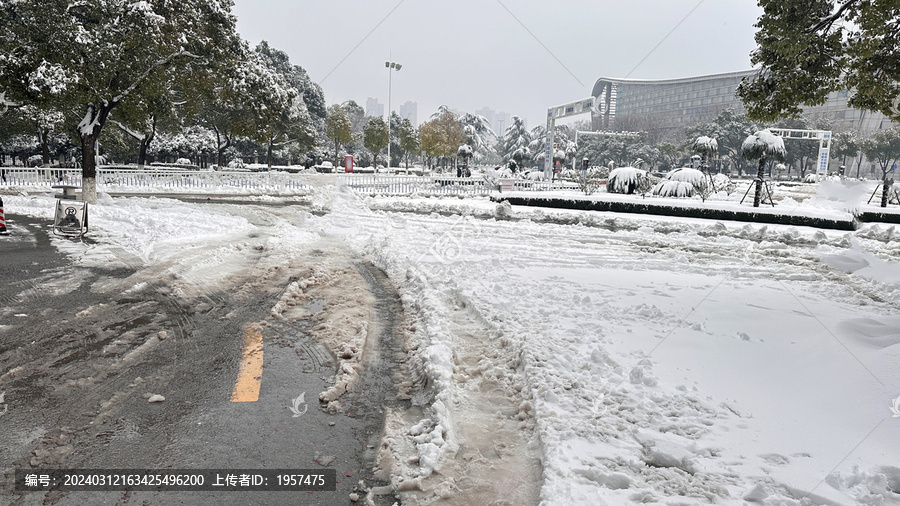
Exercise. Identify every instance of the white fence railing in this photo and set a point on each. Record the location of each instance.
(134, 180)
(410, 185)
(190, 181)
(376, 184)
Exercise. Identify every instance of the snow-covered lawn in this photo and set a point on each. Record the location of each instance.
(638, 359)
(666, 361)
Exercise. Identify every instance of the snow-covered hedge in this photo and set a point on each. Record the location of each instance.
(625, 179)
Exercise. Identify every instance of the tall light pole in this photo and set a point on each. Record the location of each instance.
(390, 66)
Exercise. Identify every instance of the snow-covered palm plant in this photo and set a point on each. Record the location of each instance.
(694, 177)
(707, 147)
(670, 188)
(625, 180)
(684, 182)
(761, 146)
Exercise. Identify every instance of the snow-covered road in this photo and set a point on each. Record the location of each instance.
(566, 357)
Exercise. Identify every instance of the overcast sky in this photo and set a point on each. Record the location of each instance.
(468, 54)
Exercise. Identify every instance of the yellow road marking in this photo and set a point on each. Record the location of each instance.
(246, 388)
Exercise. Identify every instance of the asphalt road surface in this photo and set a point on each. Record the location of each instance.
(82, 351)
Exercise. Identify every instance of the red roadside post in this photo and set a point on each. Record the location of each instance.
(3, 230)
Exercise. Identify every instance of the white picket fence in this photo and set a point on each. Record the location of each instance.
(150, 180)
(376, 184)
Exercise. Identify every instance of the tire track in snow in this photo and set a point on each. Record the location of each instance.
(496, 461)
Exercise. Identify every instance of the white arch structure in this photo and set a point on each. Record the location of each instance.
(824, 138)
(594, 104)
(583, 106)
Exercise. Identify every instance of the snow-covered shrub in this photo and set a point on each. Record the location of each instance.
(687, 175)
(721, 182)
(534, 175)
(236, 163)
(669, 188)
(589, 181)
(183, 161)
(569, 175)
(625, 180)
(811, 178)
(492, 176)
(687, 182)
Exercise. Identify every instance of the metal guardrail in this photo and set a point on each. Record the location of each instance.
(118, 179)
(376, 184)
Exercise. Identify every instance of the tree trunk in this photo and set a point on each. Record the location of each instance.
(220, 148)
(142, 153)
(760, 173)
(269, 155)
(885, 190)
(89, 130)
(45, 147)
(145, 143)
(89, 168)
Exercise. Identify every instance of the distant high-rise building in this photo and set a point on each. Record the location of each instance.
(374, 107)
(409, 111)
(488, 114)
(498, 120)
(501, 119)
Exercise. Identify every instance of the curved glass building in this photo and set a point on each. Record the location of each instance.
(664, 107)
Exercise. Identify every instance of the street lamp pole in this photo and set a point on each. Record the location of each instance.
(390, 66)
